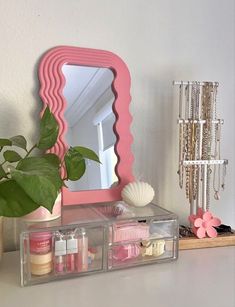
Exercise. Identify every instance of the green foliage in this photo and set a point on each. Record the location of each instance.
(86, 153)
(5, 142)
(2, 172)
(11, 156)
(75, 165)
(19, 141)
(32, 182)
(14, 202)
(49, 130)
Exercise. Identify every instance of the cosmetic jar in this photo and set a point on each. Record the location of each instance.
(41, 264)
(40, 242)
(40, 245)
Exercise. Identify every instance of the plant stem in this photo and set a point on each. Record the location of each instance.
(3, 163)
(28, 153)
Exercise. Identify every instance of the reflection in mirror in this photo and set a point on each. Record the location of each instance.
(90, 119)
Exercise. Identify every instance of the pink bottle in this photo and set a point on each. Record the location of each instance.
(82, 256)
(72, 251)
(60, 253)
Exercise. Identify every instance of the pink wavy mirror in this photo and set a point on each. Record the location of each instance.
(88, 91)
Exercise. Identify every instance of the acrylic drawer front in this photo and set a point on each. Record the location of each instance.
(141, 252)
(55, 254)
(164, 229)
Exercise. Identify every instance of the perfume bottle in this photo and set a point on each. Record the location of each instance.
(72, 251)
(82, 256)
(60, 253)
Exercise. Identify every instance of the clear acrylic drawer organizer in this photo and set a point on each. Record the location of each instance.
(97, 238)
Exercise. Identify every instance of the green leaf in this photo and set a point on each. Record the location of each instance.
(75, 165)
(39, 179)
(39, 188)
(53, 159)
(14, 202)
(87, 153)
(11, 156)
(49, 130)
(42, 167)
(2, 172)
(19, 141)
(5, 142)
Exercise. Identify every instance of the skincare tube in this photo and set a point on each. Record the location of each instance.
(60, 253)
(72, 251)
(82, 256)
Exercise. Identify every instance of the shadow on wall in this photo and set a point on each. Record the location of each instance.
(155, 133)
(35, 114)
(9, 118)
(10, 124)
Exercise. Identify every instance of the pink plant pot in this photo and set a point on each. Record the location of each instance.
(42, 214)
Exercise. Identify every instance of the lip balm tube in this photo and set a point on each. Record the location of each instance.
(82, 255)
(72, 251)
(60, 253)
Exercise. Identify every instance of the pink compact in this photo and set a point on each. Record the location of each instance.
(125, 252)
(40, 242)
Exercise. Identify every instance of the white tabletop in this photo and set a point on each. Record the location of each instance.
(201, 278)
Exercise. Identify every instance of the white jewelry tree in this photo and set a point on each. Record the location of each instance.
(200, 163)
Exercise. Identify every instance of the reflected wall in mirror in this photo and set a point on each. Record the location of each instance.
(90, 120)
(54, 70)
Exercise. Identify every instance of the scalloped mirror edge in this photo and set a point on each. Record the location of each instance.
(52, 82)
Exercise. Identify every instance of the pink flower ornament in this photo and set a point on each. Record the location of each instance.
(204, 223)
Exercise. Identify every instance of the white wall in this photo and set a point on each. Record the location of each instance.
(160, 40)
(84, 133)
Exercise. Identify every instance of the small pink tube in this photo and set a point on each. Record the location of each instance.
(82, 256)
(70, 262)
(60, 253)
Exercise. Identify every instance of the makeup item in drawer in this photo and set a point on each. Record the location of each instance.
(153, 248)
(40, 242)
(129, 232)
(72, 251)
(82, 256)
(125, 252)
(60, 253)
(41, 264)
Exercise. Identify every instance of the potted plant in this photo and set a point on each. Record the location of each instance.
(28, 182)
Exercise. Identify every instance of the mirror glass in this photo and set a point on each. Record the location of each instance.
(90, 119)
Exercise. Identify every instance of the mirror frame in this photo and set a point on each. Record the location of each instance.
(52, 83)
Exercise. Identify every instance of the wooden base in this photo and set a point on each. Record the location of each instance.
(194, 242)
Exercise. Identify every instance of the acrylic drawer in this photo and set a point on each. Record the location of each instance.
(141, 241)
(49, 254)
(149, 251)
(97, 238)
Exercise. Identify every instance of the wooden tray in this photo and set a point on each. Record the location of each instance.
(194, 242)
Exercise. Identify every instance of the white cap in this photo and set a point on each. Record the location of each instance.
(60, 247)
(72, 245)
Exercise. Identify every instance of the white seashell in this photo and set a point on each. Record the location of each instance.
(138, 193)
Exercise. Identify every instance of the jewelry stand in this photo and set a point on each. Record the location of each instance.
(200, 163)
